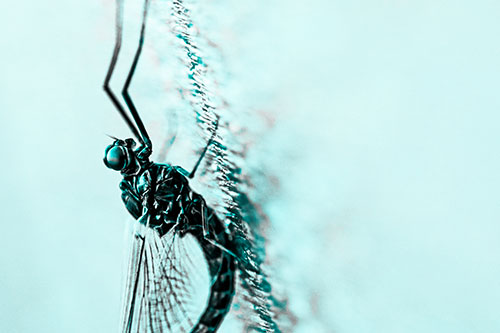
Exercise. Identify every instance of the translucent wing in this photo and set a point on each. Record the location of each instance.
(167, 285)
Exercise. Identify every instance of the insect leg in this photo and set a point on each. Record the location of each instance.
(209, 142)
(221, 247)
(132, 202)
(111, 68)
(207, 217)
(209, 237)
(204, 219)
(125, 94)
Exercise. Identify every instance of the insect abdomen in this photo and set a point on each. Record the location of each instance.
(222, 268)
(221, 295)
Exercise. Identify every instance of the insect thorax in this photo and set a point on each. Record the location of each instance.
(163, 194)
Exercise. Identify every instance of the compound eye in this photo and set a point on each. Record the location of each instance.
(116, 158)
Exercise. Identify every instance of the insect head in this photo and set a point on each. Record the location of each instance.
(120, 156)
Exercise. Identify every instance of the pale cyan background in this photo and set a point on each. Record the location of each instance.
(385, 143)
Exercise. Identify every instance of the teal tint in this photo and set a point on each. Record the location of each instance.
(381, 132)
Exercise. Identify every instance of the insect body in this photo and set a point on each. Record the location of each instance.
(160, 198)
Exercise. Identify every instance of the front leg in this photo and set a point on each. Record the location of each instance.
(131, 200)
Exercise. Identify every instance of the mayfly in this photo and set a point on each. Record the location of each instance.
(160, 198)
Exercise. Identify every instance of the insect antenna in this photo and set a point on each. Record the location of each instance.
(125, 93)
(111, 68)
(112, 137)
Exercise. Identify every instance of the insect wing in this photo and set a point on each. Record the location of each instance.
(167, 285)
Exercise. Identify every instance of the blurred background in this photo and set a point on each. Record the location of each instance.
(381, 132)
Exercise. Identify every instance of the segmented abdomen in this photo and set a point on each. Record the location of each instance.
(222, 268)
(221, 295)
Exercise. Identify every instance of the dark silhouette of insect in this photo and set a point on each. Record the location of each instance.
(160, 198)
